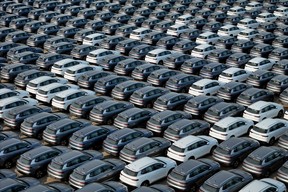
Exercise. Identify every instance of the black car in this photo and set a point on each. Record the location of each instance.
(143, 147)
(98, 5)
(277, 84)
(110, 61)
(4, 31)
(218, 16)
(171, 101)
(125, 67)
(61, 19)
(33, 26)
(265, 37)
(62, 48)
(74, 10)
(164, 25)
(63, 165)
(5, 135)
(188, 176)
(252, 95)
(81, 34)
(89, 79)
(243, 46)
(186, 127)
(77, 22)
(50, 5)
(60, 8)
(232, 181)
(19, 23)
(153, 37)
(233, 151)
(105, 112)
(5, 4)
(46, 61)
(134, 117)
(212, 70)
(281, 67)
(261, 50)
(106, 84)
(9, 72)
(125, 30)
(68, 32)
(121, 18)
(55, 186)
(151, 22)
(125, 46)
(54, 40)
(49, 29)
(260, 78)
(265, 160)
(19, 184)
(115, 141)
(81, 51)
(175, 60)
(230, 91)
(90, 137)
(111, 41)
(222, 110)
(212, 26)
(13, 148)
(267, 27)
(7, 173)
(279, 54)
(34, 125)
(198, 23)
(124, 90)
(23, 78)
(152, 188)
(159, 122)
(185, 46)
(17, 37)
(181, 82)
(113, 7)
(6, 46)
(17, 115)
(281, 30)
(34, 162)
(6, 19)
(59, 132)
(167, 42)
(281, 41)
(20, 49)
(140, 51)
(26, 57)
(225, 42)
(238, 60)
(128, 9)
(142, 72)
(88, 13)
(161, 76)
(47, 16)
(96, 25)
(193, 65)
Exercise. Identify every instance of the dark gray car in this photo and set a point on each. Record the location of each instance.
(161, 76)
(232, 90)
(238, 60)
(62, 166)
(51, 187)
(171, 101)
(19, 184)
(193, 66)
(10, 72)
(143, 147)
(112, 186)
(142, 72)
(46, 61)
(81, 51)
(34, 162)
(181, 82)
(124, 90)
(252, 95)
(4, 135)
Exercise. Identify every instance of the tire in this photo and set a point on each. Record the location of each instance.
(145, 183)
(193, 188)
(39, 136)
(192, 157)
(272, 141)
(280, 114)
(235, 164)
(160, 63)
(39, 174)
(64, 142)
(212, 149)
(8, 164)
(266, 174)
(109, 121)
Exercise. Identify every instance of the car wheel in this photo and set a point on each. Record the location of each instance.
(235, 164)
(272, 141)
(39, 174)
(160, 62)
(193, 188)
(8, 164)
(64, 142)
(280, 114)
(39, 136)
(192, 157)
(266, 174)
(109, 121)
(145, 183)
(212, 149)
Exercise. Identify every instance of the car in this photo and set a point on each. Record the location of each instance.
(95, 169)
(212, 70)
(61, 66)
(175, 60)
(89, 79)
(171, 101)
(236, 10)
(261, 50)
(33, 26)
(5, 135)
(51, 186)
(247, 34)
(146, 96)
(94, 39)
(6, 19)
(159, 122)
(184, 46)
(73, 73)
(238, 60)
(111, 27)
(26, 57)
(259, 63)
(151, 22)
(17, 37)
(9, 72)
(51, 41)
(232, 180)
(110, 42)
(125, 67)
(35, 161)
(281, 175)
(14, 148)
(265, 37)
(7, 173)
(266, 17)
(161, 76)
(138, 34)
(191, 174)
(233, 74)
(243, 45)
(140, 51)
(106, 84)
(125, 30)
(6, 46)
(111, 61)
(222, 110)
(204, 87)
(95, 57)
(19, 23)
(271, 128)
(247, 23)
(181, 82)
(158, 187)
(264, 184)
(62, 48)
(90, 137)
(8, 93)
(18, 183)
(60, 19)
(202, 51)
(280, 41)
(277, 84)
(264, 160)
(231, 90)
(126, 46)
(17, 115)
(260, 78)
(143, 147)
(219, 55)
(207, 38)
(193, 65)
(124, 90)
(147, 170)
(280, 67)
(115, 141)
(191, 147)
(81, 51)
(68, 32)
(157, 56)
(177, 29)
(278, 54)
(268, 27)
(47, 16)
(49, 29)
(82, 33)
(233, 151)
(13, 52)
(46, 61)
(5, 31)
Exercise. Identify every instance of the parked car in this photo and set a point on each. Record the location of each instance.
(171, 101)
(124, 90)
(260, 78)
(204, 87)
(193, 65)
(81, 51)
(264, 184)
(18, 183)
(109, 185)
(10, 72)
(161, 76)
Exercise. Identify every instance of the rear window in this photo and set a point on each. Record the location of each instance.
(129, 172)
(178, 176)
(177, 149)
(259, 130)
(254, 161)
(79, 176)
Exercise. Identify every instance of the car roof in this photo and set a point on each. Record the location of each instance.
(203, 46)
(186, 141)
(227, 121)
(257, 59)
(68, 156)
(232, 142)
(203, 82)
(67, 92)
(256, 185)
(98, 51)
(31, 154)
(62, 122)
(21, 108)
(232, 70)
(186, 167)
(51, 86)
(158, 50)
(208, 33)
(267, 123)
(9, 142)
(220, 178)
(138, 143)
(78, 67)
(262, 152)
(259, 105)
(86, 130)
(64, 61)
(38, 116)
(89, 166)
(41, 79)
(130, 112)
(139, 164)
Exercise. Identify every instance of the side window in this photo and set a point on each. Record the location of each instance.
(147, 169)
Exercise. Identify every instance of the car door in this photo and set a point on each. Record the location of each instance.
(159, 171)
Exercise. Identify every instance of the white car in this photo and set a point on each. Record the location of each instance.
(266, 17)
(73, 73)
(157, 56)
(202, 51)
(46, 93)
(146, 171)
(230, 127)
(207, 38)
(233, 74)
(259, 63)
(184, 19)
(247, 24)
(177, 29)
(236, 11)
(261, 110)
(191, 147)
(64, 99)
(264, 185)
(7, 93)
(204, 87)
(11, 102)
(247, 34)
(281, 11)
(269, 130)
(98, 55)
(94, 39)
(229, 30)
(33, 85)
(139, 33)
(61, 66)
(254, 5)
